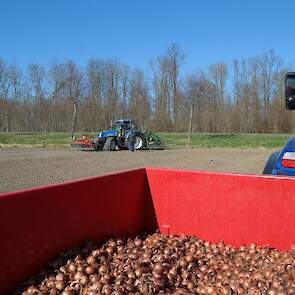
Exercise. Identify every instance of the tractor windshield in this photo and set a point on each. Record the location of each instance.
(127, 125)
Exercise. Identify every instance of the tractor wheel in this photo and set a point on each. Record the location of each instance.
(271, 162)
(139, 142)
(110, 144)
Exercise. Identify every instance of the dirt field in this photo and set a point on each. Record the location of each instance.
(27, 167)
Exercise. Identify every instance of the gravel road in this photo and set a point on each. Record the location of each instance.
(27, 167)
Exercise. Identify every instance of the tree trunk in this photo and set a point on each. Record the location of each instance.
(6, 116)
(175, 104)
(74, 119)
(189, 137)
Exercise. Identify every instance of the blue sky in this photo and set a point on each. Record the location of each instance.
(134, 32)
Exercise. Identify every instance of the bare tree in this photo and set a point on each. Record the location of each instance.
(95, 81)
(111, 92)
(175, 58)
(125, 85)
(197, 89)
(36, 75)
(74, 84)
(4, 91)
(56, 78)
(17, 94)
(192, 94)
(139, 107)
(218, 73)
(162, 93)
(66, 97)
(269, 67)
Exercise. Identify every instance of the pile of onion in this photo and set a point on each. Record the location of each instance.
(160, 264)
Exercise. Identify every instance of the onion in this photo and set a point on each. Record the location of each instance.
(159, 264)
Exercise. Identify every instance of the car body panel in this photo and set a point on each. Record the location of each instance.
(278, 168)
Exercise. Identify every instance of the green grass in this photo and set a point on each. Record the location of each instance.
(171, 140)
(200, 140)
(36, 138)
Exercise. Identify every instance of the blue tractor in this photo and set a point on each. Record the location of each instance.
(118, 138)
(282, 162)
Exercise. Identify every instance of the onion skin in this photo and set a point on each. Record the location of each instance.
(160, 264)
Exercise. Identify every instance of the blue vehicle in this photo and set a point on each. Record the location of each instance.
(116, 137)
(282, 162)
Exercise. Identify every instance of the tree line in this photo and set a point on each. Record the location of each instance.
(245, 96)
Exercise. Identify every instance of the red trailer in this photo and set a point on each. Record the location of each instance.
(36, 224)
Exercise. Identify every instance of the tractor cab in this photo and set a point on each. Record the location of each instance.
(127, 124)
(290, 90)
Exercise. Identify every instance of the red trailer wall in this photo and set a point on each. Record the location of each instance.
(236, 209)
(37, 224)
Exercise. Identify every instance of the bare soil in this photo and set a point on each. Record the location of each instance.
(28, 167)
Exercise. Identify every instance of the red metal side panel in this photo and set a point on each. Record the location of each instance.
(38, 223)
(234, 208)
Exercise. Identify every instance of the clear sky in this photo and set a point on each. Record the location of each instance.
(134, 32)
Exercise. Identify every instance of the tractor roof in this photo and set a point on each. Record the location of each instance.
(124, 120)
